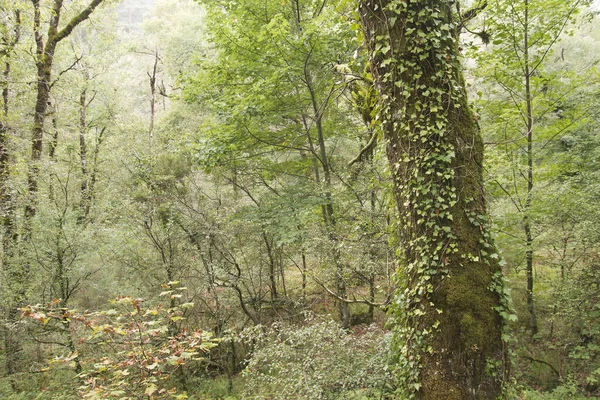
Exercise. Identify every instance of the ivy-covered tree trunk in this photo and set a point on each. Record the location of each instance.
(449, 325)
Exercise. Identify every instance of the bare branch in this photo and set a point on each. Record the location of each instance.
(384, 304)
(69, 68)
(368, 147)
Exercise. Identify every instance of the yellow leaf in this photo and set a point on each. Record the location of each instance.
(150, 390)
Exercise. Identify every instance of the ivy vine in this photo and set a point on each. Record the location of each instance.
(416, 63)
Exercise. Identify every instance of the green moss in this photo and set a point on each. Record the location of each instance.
(472, 331)
(473, 306)
(447, 311)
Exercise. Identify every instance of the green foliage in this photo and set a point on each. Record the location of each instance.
(568, 391)
(533, 69)
(129, 351)
(318, 361)
(278, 132)
(57, 385)
(258, 111)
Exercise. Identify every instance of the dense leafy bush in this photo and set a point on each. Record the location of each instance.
(318, 361)
(568, 391)
(129, 351)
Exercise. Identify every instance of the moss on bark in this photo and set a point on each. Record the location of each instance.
(449, 335)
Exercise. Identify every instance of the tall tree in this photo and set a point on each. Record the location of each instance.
(45, 51)
(11, 35)
(449, 328)
(277, 111)
(527, 108)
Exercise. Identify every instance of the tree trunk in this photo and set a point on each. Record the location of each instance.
(526, 218)
(321, 157)
(272, 268)
(7, 203)
(10, 237)
(44, 63)
(327, 209)
(18, 276)
(152, 77)
(83, 204)
(448, 333)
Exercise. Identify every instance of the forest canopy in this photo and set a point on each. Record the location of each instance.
(299, 199)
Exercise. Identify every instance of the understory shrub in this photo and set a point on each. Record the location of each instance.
(319, 361)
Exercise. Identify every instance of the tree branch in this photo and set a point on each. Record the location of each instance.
(471, 12)
(368, 147)
(384, 304)
(78, 19)
(552, 367)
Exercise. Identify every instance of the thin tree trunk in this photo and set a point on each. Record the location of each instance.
(152, 77)
(53, 145)
(526, 218)
(44, 63)
(10, 236)
(93, 175)
(44, 58)
(372, 253)
(272, 268)
(62, 276)
(282, 271)
(304, 277)
(85, 193)
(321, 156)
(328, 212)
(9, 232)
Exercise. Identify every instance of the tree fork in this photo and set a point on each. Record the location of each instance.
(448, 337)
(44, 62)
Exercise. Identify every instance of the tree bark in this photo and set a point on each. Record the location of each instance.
(448, 334)
(152, 77)
(327, 209)
(272, 267)
(526, 210)
(7, 204)
(321, 157)
(8, 224)
(83, 153)
(44, 57)
(44, 62)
